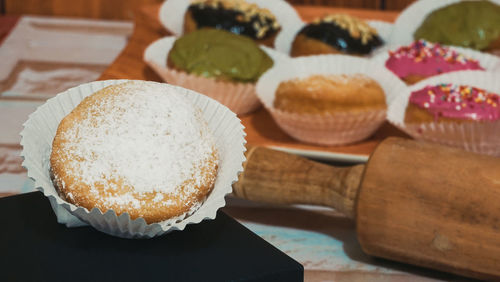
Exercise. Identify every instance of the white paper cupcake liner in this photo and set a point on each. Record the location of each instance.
(478, 137)
(331, 129)
(285, 39)
(413, 16)
(172, 14)
(40, 129)
(490, 63)
(238, 97)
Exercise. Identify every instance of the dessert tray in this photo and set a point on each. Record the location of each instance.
(259, 126)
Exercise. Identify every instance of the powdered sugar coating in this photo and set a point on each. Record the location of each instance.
(142, 145)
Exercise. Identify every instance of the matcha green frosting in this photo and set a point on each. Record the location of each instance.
(471, 24)
(220, 54)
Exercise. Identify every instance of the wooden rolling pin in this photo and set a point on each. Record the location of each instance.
(413, 202)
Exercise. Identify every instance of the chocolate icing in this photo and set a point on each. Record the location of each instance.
(339, 38)
(227, 19)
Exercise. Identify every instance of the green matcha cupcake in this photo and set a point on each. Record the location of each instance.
(469, 24)
(217, 63)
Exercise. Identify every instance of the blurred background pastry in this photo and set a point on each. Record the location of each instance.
(333, 34)
(423, 59)
(329, 94)
(452, 103)
(220, 55)
(470, 24)
(236, 16)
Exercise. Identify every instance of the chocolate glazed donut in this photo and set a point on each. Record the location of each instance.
(255, 23)
(336, 34)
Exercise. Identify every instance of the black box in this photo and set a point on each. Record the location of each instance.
(34, 247)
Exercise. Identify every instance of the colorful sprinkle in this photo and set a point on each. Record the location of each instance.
(458, 101)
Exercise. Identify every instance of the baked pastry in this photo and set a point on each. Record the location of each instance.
(329, 94)
(236, 16)
(138, 148)
(470, 24)
(452, 103)
(423, 59)
(335, 34)
(220, 55)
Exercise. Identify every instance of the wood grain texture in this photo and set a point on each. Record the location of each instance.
(97, 9)
(259, 126)
(397, 4)
(432, 206)
(275, 177)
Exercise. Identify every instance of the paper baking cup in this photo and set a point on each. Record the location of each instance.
(285, 38)
(238, 97)
(479, 137)
(40, 129)
(490, 63)
(172, 14)
(413, 16)
(328, 129)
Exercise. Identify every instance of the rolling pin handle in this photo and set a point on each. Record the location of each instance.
(276, 177)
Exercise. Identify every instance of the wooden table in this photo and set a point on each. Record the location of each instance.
(260, 128)
(295, 231)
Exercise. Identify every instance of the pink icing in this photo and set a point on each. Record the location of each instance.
(460, 102)
(427, 59)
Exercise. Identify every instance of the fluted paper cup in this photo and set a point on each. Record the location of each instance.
(327, 129)
(413, 16)
(237, 96)
(478, 137)
(285, 39)
(172, 14)
(40, 129)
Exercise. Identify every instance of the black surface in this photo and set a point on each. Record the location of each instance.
(339, 38)
(226, 19)
(34, 247)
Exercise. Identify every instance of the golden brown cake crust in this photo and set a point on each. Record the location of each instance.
(320, 94)
(415, 114)
(113, 192)
(413, 79)
(306, 46)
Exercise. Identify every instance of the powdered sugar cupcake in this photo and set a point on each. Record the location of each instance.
(133, 158)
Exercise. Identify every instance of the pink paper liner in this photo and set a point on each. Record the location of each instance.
(238, 97)
(481, 137)
(329, 129)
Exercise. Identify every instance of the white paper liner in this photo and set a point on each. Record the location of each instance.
(285, 39)
(413, 16)
(478, 137)
(172, 14)
(238, 97)
(490, 63)
(331, 129)
(40, 129)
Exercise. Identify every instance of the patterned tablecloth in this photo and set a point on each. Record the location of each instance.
(41, 57)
